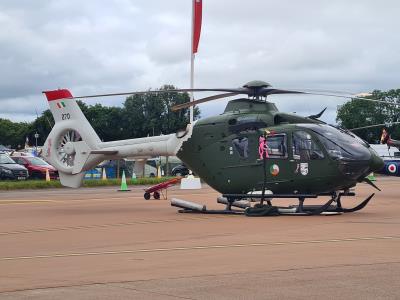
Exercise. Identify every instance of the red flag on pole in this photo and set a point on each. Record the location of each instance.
(197, 14)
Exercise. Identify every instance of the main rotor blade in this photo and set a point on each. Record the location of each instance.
(251, 92)
(238, 91)
(376, 125)
(353, 97)
(269, 91)
(192, 103)
(263, 92)
(245, 90)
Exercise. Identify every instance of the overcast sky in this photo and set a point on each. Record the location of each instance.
(121, 45)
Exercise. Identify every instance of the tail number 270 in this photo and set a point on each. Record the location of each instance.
(65, 116)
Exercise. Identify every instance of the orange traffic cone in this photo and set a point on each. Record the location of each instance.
(47, 175)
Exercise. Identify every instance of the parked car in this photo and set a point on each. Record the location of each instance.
(36, 167)
(9, 169)
(180, 170)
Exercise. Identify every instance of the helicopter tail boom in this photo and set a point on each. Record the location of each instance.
(74, 147)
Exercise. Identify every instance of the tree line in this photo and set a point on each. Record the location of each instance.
(140, 116)
(150, 114)
(359, 113)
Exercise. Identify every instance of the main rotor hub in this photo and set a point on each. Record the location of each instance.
(254, 88)
(257, 84)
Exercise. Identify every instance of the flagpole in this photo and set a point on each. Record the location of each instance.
(192, 64)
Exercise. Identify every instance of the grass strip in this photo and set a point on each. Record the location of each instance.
(42, 184)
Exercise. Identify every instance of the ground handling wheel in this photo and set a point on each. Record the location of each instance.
(146, 196)
(156, 195)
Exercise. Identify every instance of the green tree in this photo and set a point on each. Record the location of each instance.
(150, 113)
(173, 121)
(106, 121)
(13, 134)
(359, 113)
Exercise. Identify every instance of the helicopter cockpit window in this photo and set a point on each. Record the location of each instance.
(305, 147)
(241, 145)
(277, 146)
(340, 144)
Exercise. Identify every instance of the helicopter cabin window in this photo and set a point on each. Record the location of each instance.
(276, 145)
(241, 145)
(305, 147)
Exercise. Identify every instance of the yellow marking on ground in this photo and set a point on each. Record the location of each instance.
(24, 201)
(127, 197)
(141, 251)
(144, 222)
(19, 201)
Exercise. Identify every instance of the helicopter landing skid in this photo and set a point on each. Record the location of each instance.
(338, 208)
(267, 210)
(213, 211)
(326, 209)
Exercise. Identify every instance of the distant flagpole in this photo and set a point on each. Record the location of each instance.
(196, 29)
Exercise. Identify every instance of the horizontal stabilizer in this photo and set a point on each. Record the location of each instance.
(81, 156)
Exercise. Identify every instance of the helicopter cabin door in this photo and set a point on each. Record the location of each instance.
(276, 168)
(307, 160)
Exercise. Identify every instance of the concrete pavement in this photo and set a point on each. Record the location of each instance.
(96, 243)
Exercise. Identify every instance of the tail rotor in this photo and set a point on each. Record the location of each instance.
(65, 150)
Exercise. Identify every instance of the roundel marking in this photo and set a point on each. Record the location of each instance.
(392, 168)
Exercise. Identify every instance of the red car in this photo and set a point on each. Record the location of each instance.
(36, 167)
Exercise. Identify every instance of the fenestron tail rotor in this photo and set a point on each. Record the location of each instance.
(66, 149)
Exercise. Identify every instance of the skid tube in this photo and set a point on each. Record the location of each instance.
(332, 207)
(301, 209)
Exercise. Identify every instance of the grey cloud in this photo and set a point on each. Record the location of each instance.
(95, 47)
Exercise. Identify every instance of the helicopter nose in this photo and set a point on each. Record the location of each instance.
(376, 163)
(358, 169)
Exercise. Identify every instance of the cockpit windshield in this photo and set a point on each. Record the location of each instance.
(5, 159)
(340, 144)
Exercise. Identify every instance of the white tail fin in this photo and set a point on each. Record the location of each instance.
(70, 142)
